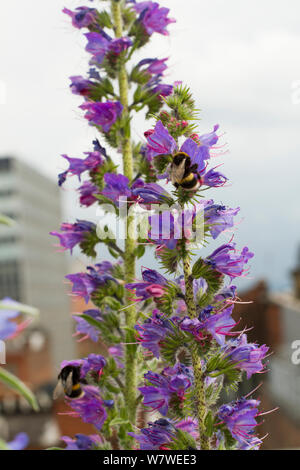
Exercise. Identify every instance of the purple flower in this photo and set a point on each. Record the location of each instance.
(116, 187)
(219, 218)
(152, 69)
(72, 363)
(160, 142)
(90, 407)
(164, 231)
(171, 384)
(198, 154)
(228, 292)
(152, 285)
(103, 114)
(100, 44)
(218, 325)
(94, 363)
(62, 178)
(77, 166)
(82, 17)
(117, 352)
(213, 179)
(208, 140)
(119, 45)
(190, 426)
(82, 442)
(226, 260)
(153, 17)
(163, 89)
(248, 356)
(87, 191)
(73, 234)
(80, 86)
(84, 328)
(149, 193)
(84, 284)
(156, 436)
(153, 331)
(239, 417)
(20, 442)
(8, 328)
(154, 66)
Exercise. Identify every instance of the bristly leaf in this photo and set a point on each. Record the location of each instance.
(18, 386)
(183, 441)
(169, 259)
(97, 177)
(104, 20)
(209, 424)
(161, 162)
(88, 244)
(219, 365)
(174, 345)
(172, 293)
(213, 279)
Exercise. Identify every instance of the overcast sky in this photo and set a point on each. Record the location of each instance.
(240, 58)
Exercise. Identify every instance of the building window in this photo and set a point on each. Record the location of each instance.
(10, 280)
(6, 192)
(5, 164)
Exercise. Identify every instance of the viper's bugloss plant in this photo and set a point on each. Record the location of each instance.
(170, 338)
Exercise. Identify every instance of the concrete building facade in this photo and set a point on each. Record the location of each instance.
(31, 271)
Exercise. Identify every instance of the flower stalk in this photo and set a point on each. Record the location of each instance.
(130, 244)
(183, 352)
(196, 360)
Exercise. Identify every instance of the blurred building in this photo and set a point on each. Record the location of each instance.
(276, 321)
(32, 272)
(30, 269)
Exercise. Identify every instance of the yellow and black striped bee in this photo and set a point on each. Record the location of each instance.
(183, 174)
(69, 383)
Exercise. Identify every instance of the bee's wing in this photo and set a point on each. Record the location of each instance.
(177, 172)
(58, 391)
(69, 384)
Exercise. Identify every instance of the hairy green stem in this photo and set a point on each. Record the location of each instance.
(130, 243)
(196, 360)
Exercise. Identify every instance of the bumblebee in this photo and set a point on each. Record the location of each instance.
(69, 383)
(183, 174)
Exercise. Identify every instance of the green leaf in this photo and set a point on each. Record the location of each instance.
(113, 209)
(176, 344)
(3, 445)
(219, 365)
(55, 448)
(209, 424)
(6, 220)
(118, 421)
(213, 278)
(22, 308)
(104, 19)
(139, 251)
(161, 162)
(91, 321)
(183, 441)
(17, 385)
(172, 293)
